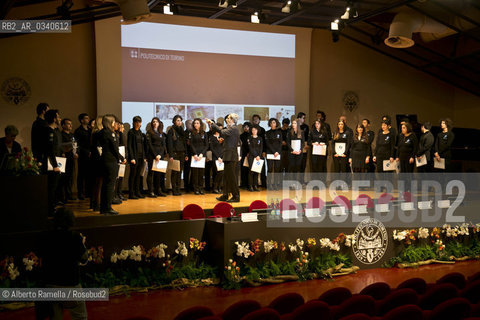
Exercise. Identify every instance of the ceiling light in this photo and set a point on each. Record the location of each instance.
(167, 9)
(254, 18)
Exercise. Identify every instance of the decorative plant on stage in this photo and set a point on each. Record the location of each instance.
(25, 164)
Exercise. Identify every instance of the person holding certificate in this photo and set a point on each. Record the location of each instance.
(255, 149)
(199, 147)
(217, 157)
(384, 147)
(425, 146)
(120, 129)
(407, 148)
(109, 160)
(318, 139)
(443, 143)
(295, 142)
(230, 139)
(177, 146)
(52, 149)
(273, 141)
(360, 150)
(156, 150)
(342, 140)
(136, 158)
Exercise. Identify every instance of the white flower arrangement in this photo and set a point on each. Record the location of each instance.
(334, 246)
(268, 246)
(300, 244)
(349, 240)
(181, 249)
(292, 247)
(28, 264)
(114, 258)
(423, 233)
(400, 235)
(12, 271)
(243, 249)
(325, 242)
(463, 230)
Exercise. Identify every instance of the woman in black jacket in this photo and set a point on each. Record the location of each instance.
(295, 156)
(255, 148)
(343, 138)
(273, 141)
(217, 155)
(199, 147)
(177, 147)
(319, 137)
(360, 150)
(96, 178)
(407, 148)
(156, 150)
(444, 142)
(109, 160)
(136, 158)
(384, 147)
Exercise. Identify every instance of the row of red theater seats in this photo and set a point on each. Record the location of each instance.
(451, 297)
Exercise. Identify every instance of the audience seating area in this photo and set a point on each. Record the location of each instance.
(451, 297)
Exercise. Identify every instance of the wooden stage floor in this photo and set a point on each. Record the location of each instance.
(208, 201)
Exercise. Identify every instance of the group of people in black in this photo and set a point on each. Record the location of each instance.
(99, 146)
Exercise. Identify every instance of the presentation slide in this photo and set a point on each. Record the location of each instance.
(200, 72)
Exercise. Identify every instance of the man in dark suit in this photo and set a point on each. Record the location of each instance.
(38, 131)
(425, 147)
(231, 137)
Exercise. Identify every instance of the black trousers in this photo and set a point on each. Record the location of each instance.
(244, 173)
(66, 181)
(110, 173)
(295, 165)
(197, 178)
(187, 174)
(135, 178)
(304, 166)
(119, 186)
(284, 161)
(176, 175)
(340, 164)
(273, 173)
(83, 163)
(52, 185)
(230, 176)
(319, 163)
(155, 179)
(209, 174)
(218, 178)
(426, 168)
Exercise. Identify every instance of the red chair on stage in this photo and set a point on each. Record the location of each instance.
(364, 200)
(385, 198)
(315, 203)
(257, 205)
(221, 210)
(288, 204)
(193, 211)
(342, 201)
(407, 196)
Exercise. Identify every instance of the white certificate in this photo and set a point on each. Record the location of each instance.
(160, 165)
(272, 156)
(220, 165)
(340, 148)
(319, 149)
(421, 161)
(174, 165)
(439, 164)
(389, 166)
(61, 163)
(239, 152)
(296, 145)
(121, 150)
(121, 170)
(257, 165)
(198, 164)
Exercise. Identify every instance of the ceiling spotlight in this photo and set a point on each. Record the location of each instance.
(226, 3)
(167, 9)
(254, 18)
(346, 15)
(291, 6)
(334, 26)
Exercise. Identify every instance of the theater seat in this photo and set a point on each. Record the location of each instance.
(355, 304)
(312, 310)
(396, 299)
(194, 313)
(455, 278)
(357, 316)
(406, 312)
(222, 210)
(472, 292)
(438, 294)
(456, 308)
(240, 309)
(474, 277)
(417, 284)
(256, 205)
(287, 302)
(262, 314)
(377, 290)
(193, 211)
(335, 296)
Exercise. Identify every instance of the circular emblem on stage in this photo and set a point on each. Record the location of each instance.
(15, 91)
(371, 241)
(350, 101)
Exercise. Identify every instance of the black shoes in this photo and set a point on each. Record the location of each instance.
(133, 197)
(110, 212)
(234, 199)
(250, 189)
(139, 195)
(116, 201)
(151, 195)
(161, 194)
(197, 193)
(222, 198)
(256, 188)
